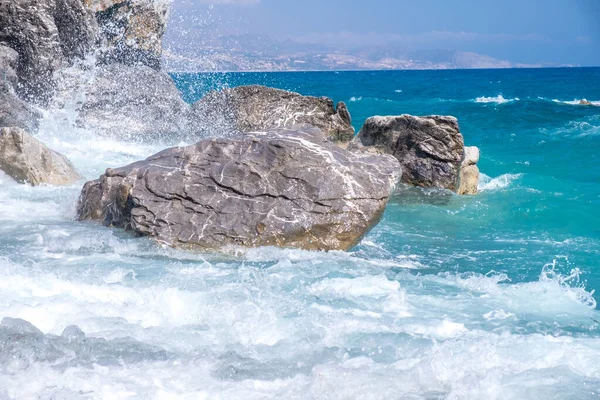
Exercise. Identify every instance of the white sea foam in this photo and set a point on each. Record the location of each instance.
(577, 102)
(487, 183)
(353, 98)
(495, 99)
(264, 334)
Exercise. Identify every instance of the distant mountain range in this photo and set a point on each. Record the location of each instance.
(261, 53)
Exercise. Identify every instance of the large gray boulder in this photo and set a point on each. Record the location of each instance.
(430, 149)
(255, 108)
(287, 187)
(140, 101)
(26, 160)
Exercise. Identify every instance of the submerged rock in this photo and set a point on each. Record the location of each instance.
(430, 149)
(23, 345)
(285, 187)
(256, 108)
(140, 101)
(26, 160)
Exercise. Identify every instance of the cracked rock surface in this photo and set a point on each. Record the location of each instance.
(286, 187)
(255, 108)
(430, 149)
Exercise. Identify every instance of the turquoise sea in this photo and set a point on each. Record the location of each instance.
(450, 297)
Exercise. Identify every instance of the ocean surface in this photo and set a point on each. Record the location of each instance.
(449, 297)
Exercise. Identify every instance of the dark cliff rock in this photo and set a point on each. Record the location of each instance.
(255, 108)
(46, 34)
(13, 110)
(288, 187)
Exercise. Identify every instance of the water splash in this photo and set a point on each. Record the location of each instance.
(495, 99)
(570, 282)
(487, 183)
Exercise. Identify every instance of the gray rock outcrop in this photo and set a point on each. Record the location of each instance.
(26, 160)
(287, 187)
(430, 149)
(139, 100)
(256, 108)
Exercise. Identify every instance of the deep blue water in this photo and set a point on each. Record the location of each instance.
(450, 297)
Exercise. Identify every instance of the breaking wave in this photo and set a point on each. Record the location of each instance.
(496, 99)
(487, 183)
(578, 102)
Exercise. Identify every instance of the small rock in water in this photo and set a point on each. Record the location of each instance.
(287, 187)
(430, 149)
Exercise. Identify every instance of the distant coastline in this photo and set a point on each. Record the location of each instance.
(373, 70)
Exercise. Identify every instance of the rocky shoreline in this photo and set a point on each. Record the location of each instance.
(269, 167)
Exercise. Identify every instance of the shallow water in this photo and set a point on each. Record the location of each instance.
(490, 296)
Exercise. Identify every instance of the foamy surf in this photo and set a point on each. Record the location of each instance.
(578, 102)
(487, 183)
(495, 99)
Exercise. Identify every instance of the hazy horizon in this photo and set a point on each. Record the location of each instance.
(523, 34)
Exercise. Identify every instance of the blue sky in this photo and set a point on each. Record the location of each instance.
(526, 31)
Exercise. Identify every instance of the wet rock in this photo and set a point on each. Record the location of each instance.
(9, 61)
(46, 34)
(430, 149)
(131, 31)
(13, 111)
(77, 28)
(255, 108)
(287, 187)
(132, 103)
(469, 172)
(28, 27)
(26, 160)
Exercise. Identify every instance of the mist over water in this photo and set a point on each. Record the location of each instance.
(460, 297)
